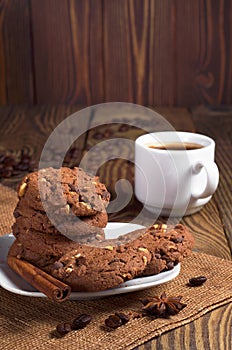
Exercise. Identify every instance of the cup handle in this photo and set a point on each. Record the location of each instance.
(212, 174)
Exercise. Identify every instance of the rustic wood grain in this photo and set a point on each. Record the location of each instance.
(117, 52)
(187, 49)
(212, 79)
(16, 72)
(149, 52)
(180, 118)
(126, 59)
(162, 67)
(53, 58)
(25, 123)
(3, 95)
(67, 53)
(207, 229)
(87, 42)
(168, 53)
(28, 128)
(218, 124)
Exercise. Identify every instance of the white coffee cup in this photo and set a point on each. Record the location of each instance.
(175, 182)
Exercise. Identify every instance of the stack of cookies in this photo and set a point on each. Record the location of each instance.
(66, 201)
(87, 267)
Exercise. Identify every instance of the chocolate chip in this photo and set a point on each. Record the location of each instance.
(105, 195)
(197, 281)
(177, 239)
(73, 188)
(81, 321)
(80, 261)
(83, 190)
(63, 328)
(163, 252)
(113, 321)
(170, 265)
(57, 265)
(113, 261)
(124, 128)
(16, 214)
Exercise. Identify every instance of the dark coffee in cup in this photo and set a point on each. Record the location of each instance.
(176, 146)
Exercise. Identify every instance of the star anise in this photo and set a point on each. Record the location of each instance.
(162, 306)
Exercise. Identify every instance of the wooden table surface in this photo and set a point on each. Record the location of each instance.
(24, 127)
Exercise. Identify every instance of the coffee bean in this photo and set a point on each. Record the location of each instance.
(124, 318)
(32, 164)
(98, 136)
(8, 168)
(5, 173)
(81, 321)
(15, 172)
(2, 157)
(124, 128)
(25, 159)
(197, 281)
(10, 165)
(9, 161)
(107, 133)
(21, 166)
(113, 321)
(63, 328)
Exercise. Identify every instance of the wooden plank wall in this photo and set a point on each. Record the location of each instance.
(150, 52)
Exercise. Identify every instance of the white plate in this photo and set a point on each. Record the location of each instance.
(11, 281)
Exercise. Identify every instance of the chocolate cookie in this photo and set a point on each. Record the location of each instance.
(41, 249)
(71, 226)
(33, 239)
(61, 191)
(88, 269)
(168, 245)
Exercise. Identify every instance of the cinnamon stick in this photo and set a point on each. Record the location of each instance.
(50, 286)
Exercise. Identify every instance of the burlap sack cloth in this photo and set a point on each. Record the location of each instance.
(29, 323)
